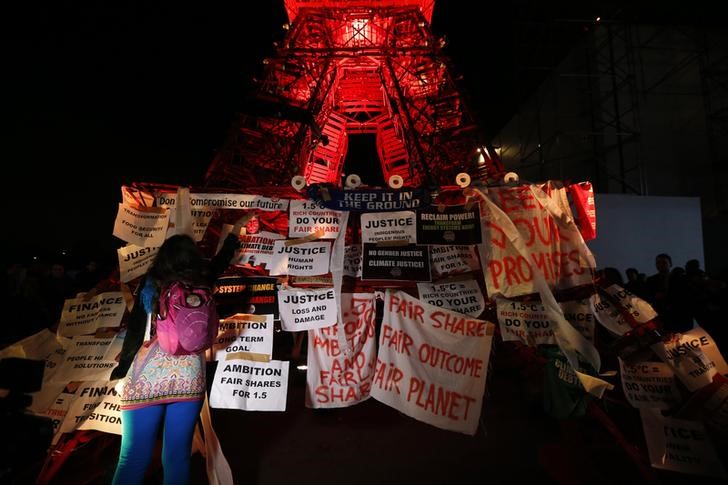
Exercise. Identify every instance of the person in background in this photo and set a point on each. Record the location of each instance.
(657, 285)
(635, 282)
(161, 389)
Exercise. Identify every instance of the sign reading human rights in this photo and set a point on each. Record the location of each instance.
(388, 226)
(432, 363)
(303, 309)
(371, 200)
(410, 262)
(449, 260)
(309, 216)
(649, 385)
(81, 316)
(96, 406)
(250, 386)
(335, 379)
(240, 294)
(448, 225)
(306, 259)
(256, 249)
(460, 296)
(134, 261)
(553, 248)
(248, 336)
(143, 226)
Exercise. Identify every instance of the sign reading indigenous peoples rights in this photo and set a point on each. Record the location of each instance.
(410, 262)
(388, 226)
(134, 261)
(432, 363)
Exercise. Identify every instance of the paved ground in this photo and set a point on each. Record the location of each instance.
(372, 443)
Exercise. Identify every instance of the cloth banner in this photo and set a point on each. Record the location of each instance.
(432, 363)
(334, 380)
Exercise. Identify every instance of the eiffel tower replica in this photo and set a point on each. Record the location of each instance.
(347, 68)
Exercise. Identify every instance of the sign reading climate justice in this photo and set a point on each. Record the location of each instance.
(303, 309)
(81, 316)
(410, 262)
(451, 225)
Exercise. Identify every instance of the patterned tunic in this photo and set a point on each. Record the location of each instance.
(156, 377)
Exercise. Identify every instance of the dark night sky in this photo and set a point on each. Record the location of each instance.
(105, 94)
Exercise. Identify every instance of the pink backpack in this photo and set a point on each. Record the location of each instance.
(187, 322)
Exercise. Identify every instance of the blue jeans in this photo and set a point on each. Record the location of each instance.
(139, 429)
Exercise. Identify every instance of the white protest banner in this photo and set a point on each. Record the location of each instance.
(449, 260)
(649, 385)
(578, 313)
(608, 309)
(201, 215)
(306, 259)
(256, 249)
(250, 334)
(432, 363)
(352, 260)
(308, 217)
(525, 322)
(551, 242)
(237, 201)
(303, 309)
(81, 316)
(97, 406)
(251, 386)
(88, 359)
(460, 296)
(679, 445)
(134, 261)
(389, 226)
(693, 356)
(334, 379)
(143, 226)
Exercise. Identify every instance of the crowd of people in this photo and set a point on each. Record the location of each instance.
(38, 288)
(682, 296)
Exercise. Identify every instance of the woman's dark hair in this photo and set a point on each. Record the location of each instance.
(179, 259)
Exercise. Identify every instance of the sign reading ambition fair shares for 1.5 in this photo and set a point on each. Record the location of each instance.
(380, 200)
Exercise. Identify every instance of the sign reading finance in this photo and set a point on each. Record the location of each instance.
(379, 200)
(453, 225)
(410, 262)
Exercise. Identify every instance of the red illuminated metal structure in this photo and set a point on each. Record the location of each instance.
(349, 67)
